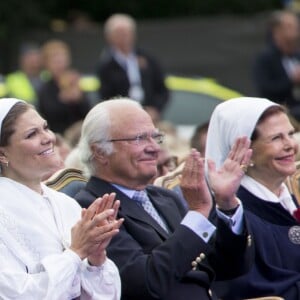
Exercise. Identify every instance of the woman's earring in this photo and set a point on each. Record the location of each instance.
(251, 164)
(6, 164)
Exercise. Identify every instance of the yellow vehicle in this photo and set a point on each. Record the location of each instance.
(192, 100)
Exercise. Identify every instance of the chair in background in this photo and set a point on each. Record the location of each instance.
(67, 180)
(170, 180)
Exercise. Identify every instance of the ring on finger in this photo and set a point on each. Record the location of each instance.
(244, 167)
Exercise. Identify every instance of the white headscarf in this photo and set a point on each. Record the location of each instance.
(232, 119)
(6, 105)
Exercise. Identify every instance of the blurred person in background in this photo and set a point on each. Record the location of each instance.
(176, 144)
(198, 139)
(72, 134)
(63, 147)
(277, 68)
(125, 70)
(61, 101)
(26, 82)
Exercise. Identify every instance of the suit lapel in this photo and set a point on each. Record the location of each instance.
(166, 207)
(129, 208)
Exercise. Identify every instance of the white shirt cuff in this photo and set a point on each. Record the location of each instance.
(199, 224)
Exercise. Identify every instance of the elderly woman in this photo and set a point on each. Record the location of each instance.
(268, 204)
(49, 247)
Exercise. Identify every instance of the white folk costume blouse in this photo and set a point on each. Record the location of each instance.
(35, 262)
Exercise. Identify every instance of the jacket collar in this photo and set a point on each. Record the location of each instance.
(129, 208)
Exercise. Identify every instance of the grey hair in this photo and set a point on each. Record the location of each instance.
(96, 130)
(117, 19)
(277, 17)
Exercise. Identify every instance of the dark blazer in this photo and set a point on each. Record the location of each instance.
(155, 264)
(271, 79)
(58, 114)
(277, 251)
(114, 80)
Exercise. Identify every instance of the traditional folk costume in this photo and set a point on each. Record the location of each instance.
(35, 233)
(276, 271)
(35, 262)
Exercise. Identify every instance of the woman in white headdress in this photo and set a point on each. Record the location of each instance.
(49, 247)
(269, 207)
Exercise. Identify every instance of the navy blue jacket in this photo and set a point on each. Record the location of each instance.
(155, 264)
(276, 271)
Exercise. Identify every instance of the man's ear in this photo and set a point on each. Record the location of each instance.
(98, 154)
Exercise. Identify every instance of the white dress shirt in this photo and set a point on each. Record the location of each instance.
(35, 262)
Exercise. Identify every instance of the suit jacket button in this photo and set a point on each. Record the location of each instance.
(249, 240)
(194, 264)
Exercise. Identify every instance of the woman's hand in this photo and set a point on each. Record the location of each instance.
(225, 181)
(98, 224)
(98, 251)
(194, 186)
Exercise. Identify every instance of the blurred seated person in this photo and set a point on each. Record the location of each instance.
(73, 161)
(176, 144)
(61, 101)
(198, 139)
(72, 133)
(125, 70)
(50, 248)
(165, 163)
(277, 68)
(63, 146)
(26, 82)
(163, 250)
(272, 212)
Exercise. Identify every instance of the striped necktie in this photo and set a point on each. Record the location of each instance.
(142, 198)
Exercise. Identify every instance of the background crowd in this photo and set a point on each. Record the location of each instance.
(110, 126)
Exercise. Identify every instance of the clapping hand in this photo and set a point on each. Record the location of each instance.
(98, 224)
(193, 184)
(225, 181)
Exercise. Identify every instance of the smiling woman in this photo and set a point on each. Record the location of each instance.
(49, 248)
(269, 207)
(30, 149)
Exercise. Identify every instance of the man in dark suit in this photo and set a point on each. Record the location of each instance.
(164, 251)
(127, 71)
(277, 68)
